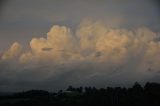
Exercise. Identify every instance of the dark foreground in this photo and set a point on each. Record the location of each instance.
(149, 95)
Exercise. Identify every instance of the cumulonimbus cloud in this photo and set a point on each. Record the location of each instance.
(94, 42)
(92, 46)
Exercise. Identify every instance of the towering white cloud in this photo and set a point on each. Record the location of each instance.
(59, 45)
(92, 52)
(92, 42)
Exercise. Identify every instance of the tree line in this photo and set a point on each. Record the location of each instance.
(149, 95)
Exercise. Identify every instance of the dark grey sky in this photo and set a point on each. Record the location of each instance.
(102, 42)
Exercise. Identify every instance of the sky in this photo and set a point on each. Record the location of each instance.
(50, 44)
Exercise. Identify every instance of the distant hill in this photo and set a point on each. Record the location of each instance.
(149, 95)
(6, 93)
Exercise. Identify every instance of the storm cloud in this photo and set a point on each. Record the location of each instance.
(50, 44)
(93, 54)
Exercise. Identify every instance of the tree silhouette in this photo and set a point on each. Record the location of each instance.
(149, 95)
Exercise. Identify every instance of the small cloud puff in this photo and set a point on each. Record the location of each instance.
(12, 52)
